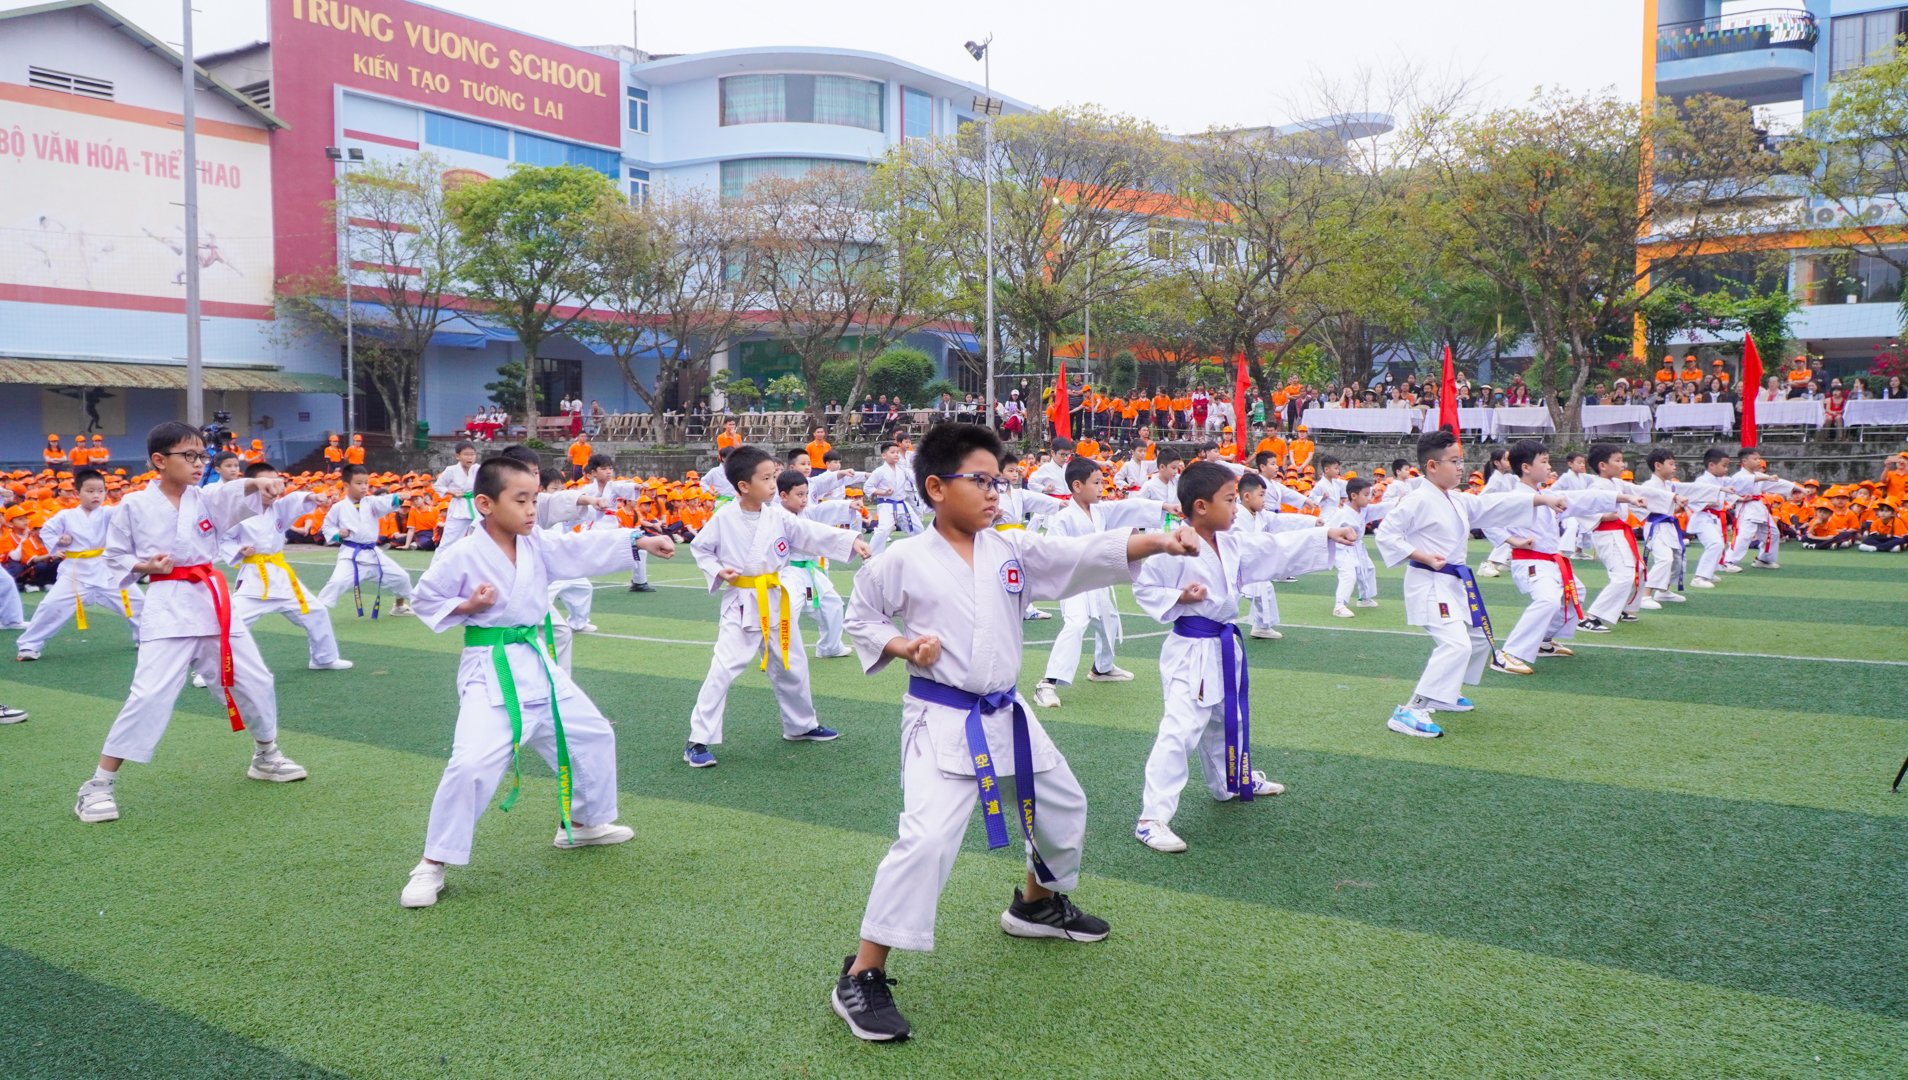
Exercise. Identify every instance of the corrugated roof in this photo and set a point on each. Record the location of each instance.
(23, 372)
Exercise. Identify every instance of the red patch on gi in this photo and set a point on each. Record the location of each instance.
(1444, 611)
(205, 525)
(781, 547)
(1010, 576)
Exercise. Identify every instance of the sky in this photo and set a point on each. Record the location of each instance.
(1188, 66)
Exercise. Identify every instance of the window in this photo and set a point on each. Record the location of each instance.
(1860, 40)
(258, 93)
(1222, 251)
(537, 150)
(638, 186)
(740, 175)
(456, 133)
(556, 380)
(917, 114)
(802, 99)
(1843, 277)
(1159, 243)
(68, 83)
(639, 111)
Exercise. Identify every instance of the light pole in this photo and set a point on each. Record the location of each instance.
(989, 107)
(189, 125)
(345, 158)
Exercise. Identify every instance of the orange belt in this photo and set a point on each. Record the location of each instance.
(1636, 557)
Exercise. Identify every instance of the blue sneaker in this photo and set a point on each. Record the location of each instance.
(815, 734)
(698, 756)
(1408, 721)
(1464, 704)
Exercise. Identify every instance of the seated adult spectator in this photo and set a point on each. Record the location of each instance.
(870, 419)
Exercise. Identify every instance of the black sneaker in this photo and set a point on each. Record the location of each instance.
(865, 1002)
(1593, 625)
(1629, 617)
(641, 586)
(1053, 917)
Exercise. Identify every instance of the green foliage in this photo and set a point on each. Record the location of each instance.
(836, 382)
(508, 392)
(900, 372)
(932, 391)
(741, 392)
(1672, 310)
(1122, 374)
(534, 443)
(787, 391)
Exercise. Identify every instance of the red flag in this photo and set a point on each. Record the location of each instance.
(1748, 387)
(1447, 395)
(1240, 385)
(1062, 422)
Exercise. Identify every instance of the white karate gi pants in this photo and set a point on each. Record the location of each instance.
(889, 517)
(1620, 594)
(480, 760)
(159, 675)
(12, 615)
(577, 596)
(57, 608)
(1458, 654)
(639, 574)
(1707, 531)
(1666, 551)
(320, 640)
(456, 529)
(1360, 575)
(738, 647)
(1187, 726)
(1075, 617)
(1758, 532)
(1546, 617)
(374, 568)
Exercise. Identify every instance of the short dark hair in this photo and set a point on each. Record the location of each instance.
(463, 445)
(222, 457)
(800, 451)
(1165, 456)
(1572, 456)
(551, 479)
(723, 452)
(352, 472)
(946, 445)
(1080, 470)
(1326, 461)
(1061, 445)
(522, 454)
(81, 476)
(742, 463)
(790, 480)
(254, 470)
(1201, 481)
(1259, 459)
(1355, 485)
(887, 445)
(1602, 452)
(1433, 443)
(1399, 465)
(1500, 454)
(1658, 456)
(170, 435)
(832, 455)
(601, 461)
(1525, 453)
(1714, 454)
(1251, 481)
(492, 474)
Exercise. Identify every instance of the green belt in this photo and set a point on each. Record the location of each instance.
(814, 587)
(497, 639)
(470, 503)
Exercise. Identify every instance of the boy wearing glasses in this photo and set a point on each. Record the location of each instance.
(745, 546)
(961, 589)
(169, 531)
(1429, 531)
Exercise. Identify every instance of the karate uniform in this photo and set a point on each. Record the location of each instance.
(1355, 569)
(758, 544)
(1049, 479)
(1755, 526)
(1622, 594)
(456, 483)
(1497, 483)
(1264, 612)
(557, 513)
(1160, 490)
(1709, 498)
(1028, 509)
(481, 744)
(1190, 669)
(262, 587)
(977, 612)
(893, 487)
(12, 615)
(814, 595)
(1327, 494)
(355, 526)
(84, 577)
(1548, 617)
(179, 625)
(1575, 527)
(1098, 608)
(1436, 521)
(827, 502)
(1663, 541)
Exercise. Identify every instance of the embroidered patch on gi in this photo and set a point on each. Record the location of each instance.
(1444, 611)
(1530, 571)
(1010, 577)
(781, 547)
(205, 525)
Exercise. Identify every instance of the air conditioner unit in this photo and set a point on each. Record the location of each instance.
(1874, 212)
(1826, 215)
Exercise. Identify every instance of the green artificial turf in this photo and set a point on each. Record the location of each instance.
(1639, 862)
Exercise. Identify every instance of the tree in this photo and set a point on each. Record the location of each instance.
(837, 252)
(1855, 152)
(676, 278)
(1544, 202)
(531, 236)
(507, 392)
(901, 373)
(409, 259)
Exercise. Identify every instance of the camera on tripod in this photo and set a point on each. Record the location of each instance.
(219, 431)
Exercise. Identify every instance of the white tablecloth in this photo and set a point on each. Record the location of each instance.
(1894, 411)
(1632, 420)
(1482, 421)
(1795, 412)
(1367, 421)
(1709, 414)
(1524, 419)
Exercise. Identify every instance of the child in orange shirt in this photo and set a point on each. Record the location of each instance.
(420, 524)
(1821, 534)
(1888, 532)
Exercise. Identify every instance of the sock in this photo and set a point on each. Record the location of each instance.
(1418, 701)
(267, 747)
(102, 774)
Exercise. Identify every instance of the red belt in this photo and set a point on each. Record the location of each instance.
(1571, 599)
(1636, 557)
(206, 575)
(1725, 519)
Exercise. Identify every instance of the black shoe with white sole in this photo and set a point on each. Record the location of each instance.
(864, 1001)
(641, 586)
(1593, 625)
(1051, 917)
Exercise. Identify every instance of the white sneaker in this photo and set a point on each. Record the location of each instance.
(1034, 614)
(96, 802)
(1701, 583)
(1046, 696)
(587, 628)
(336, 665)
(1158, 837)
(1504, 662)
(26, 655)
(11, 715)
(276, 767)
(1340, 611)
(1649, 603)
(1732, 568)
(198, 680)
(592, 835)
(1672, 597)
(1368, 603)
(1115, 673)
(1489, 569)
(402, 607)
(427, 881)
(1406, 720)
(1263, 786)
(1760, 565)
(1266, 633)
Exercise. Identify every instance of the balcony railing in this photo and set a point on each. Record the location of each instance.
(1742, 31)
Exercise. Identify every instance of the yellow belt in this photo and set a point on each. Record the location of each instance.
(762, 583)
(277, 559)
(79, 596)
(1008, 526)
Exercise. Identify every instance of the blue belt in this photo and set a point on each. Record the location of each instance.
(977, 705)
(357, 588)
(1473, 599)
(1237, 706)
(1650, 524)
(904, 517)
